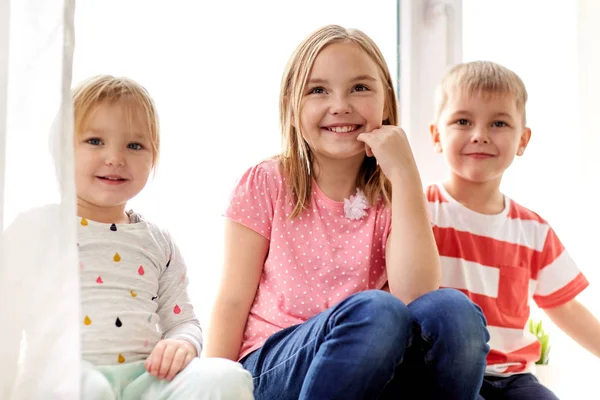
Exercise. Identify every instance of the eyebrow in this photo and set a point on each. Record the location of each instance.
(133, 135)
(497, 115)
(503, 115)
(316, 81)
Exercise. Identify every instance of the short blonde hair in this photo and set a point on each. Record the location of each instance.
(482, 78)
(92, 92)
(296, 157)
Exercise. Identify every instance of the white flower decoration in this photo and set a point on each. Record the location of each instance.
(355, 207)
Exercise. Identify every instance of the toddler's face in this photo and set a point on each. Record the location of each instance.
(480, 135)
(113, 157)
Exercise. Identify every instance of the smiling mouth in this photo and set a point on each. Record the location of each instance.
(480, 155)
(342, 129)
(111, 179)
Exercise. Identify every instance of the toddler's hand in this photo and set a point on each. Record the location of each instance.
(390, 147)
(170, 356)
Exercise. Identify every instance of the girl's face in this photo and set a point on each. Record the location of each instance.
(113, 157)
(344, 96)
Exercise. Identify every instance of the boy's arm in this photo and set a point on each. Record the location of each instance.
(579, 323)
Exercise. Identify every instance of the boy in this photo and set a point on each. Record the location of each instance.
(497, 252)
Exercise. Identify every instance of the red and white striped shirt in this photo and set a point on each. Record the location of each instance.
(501, 262)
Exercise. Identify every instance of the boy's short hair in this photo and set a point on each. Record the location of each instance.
(136, 100)
(482, 78)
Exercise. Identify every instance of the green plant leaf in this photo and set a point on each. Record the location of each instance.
(537, 329)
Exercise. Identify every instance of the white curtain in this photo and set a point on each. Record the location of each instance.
(39, 285)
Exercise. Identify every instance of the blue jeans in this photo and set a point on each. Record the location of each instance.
(520, 386)
(371, 345)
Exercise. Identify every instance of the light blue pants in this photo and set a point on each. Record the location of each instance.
(202, 379)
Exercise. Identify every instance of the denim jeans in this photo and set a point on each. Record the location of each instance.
(520, 386)
(371, 346)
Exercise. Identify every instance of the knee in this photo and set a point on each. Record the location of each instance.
(380, 313)
(220, 379)
(456, 320)
(461, 316)
(380, 307)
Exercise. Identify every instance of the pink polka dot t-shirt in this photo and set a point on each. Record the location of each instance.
(315, 260)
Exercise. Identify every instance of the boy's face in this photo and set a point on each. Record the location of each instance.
(480, 135)
(113, 157)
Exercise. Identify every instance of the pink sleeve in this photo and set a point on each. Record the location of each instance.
(252, 202)
(558, 280)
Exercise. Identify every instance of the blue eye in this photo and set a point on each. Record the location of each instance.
(94, 141)
(317, 90)
(135, 146)
(499, 124)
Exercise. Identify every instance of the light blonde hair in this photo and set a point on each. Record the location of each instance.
(136, 100)
(480, 78)
(296, 157)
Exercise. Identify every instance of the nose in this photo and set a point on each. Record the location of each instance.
(115, 158)
(480, 136)
(340, 105)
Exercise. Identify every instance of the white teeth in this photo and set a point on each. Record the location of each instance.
(343, 129)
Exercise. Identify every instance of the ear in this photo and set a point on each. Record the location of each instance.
(435, 136)
(386, 116)
(524, 141)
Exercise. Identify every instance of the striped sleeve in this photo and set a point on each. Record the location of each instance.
(559, 280)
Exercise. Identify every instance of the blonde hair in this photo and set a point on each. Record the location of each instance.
(94, 91)
(482, 78)
(296, 158)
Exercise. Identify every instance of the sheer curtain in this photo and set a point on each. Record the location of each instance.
(39, 285)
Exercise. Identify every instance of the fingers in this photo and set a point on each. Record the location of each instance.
(177, 364)
(367, 139)
(188, 359)
(169, 357)
(154, 361)
(167, 360)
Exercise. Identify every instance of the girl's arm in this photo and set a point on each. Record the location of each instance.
(412, 259)
(577, 322)
(245, 253)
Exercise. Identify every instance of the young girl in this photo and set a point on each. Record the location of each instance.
(314, 234)
(140, 337)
